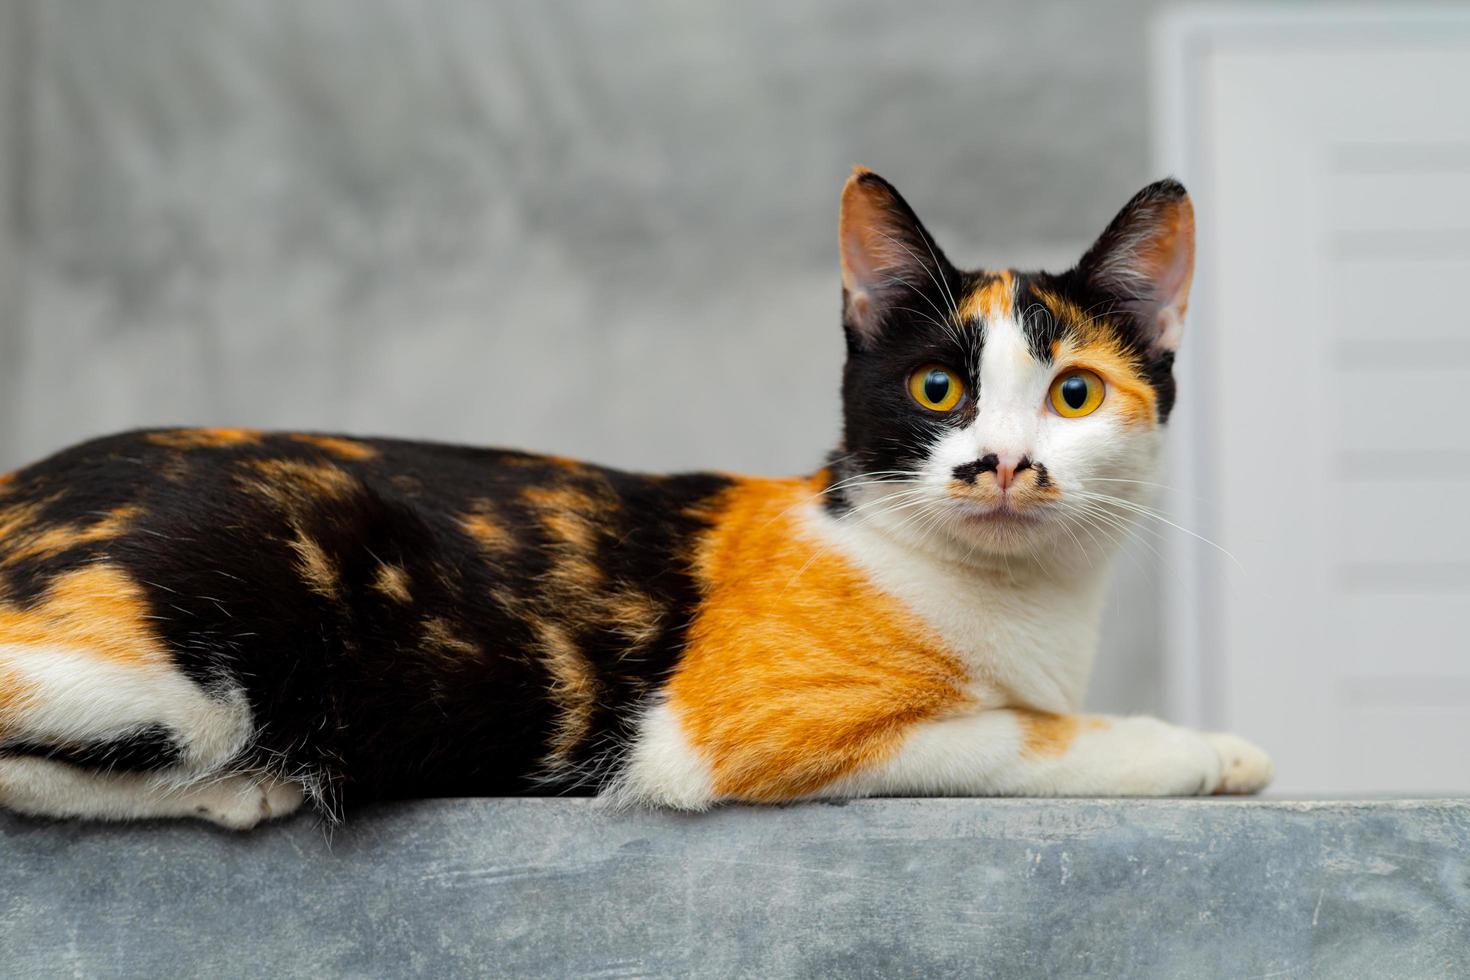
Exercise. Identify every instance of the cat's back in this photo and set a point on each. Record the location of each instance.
(245, 482)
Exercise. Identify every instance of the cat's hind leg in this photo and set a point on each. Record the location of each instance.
(104, 737)
(42, 787)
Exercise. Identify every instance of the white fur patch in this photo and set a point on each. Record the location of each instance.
(1244, 767)
(69, 695)
(45, 788)
(663, 769)
(81, 697)
(983, 755)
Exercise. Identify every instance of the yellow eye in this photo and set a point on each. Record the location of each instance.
(1076, 393)
(936, 387)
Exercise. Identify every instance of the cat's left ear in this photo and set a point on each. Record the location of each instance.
(1145, 260)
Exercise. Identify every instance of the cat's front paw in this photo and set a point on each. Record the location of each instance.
(1244, 767)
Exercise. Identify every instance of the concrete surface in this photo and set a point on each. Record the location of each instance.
(877, 888)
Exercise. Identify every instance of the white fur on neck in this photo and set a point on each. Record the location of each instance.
(1027, 632)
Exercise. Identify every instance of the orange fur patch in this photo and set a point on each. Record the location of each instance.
(1092, 342)
(1044, 734)
(33, 543)
(488, 532)
(348, 449)
(573, 689)
(292, 483)
(576, 578)
(635, 617)
(97, 608)
(316, 569)
(567, 513)
(296, 487)
(798, 670)
(528, 459)
(19, 519)
(993, 299)
(570, 518)
(407, 484)
(1134, 399)
(204, 438)
(574, 602)
(392, 581)
(1048, 735)
(439, 636)
(175, 467)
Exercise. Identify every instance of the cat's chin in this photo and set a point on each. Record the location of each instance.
(1001, 531)
(1004, 518)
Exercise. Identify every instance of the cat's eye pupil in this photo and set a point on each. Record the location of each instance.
(1074, 391)
(936, 386)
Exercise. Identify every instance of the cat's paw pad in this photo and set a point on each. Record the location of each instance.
(241, 802)
(1244, 767)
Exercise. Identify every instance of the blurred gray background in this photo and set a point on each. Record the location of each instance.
(605, 230)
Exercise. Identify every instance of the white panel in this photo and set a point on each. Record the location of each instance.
(1329, 154)
(1398, 409)
(1270, 408)
(1388, 634)
(1399, 301)
(1403, 521)
(1362, 204)
(1402, 749)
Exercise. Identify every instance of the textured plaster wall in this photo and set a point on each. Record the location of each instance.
(599, 229)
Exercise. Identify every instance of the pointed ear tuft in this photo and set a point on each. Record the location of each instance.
(886, 253)
(1145, 260)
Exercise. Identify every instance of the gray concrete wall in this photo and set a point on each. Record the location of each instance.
(599, 229)
(14, 75)
(883, 888)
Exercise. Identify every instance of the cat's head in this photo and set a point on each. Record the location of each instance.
(997, 411)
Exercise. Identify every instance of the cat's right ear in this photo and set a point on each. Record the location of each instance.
(887, 256)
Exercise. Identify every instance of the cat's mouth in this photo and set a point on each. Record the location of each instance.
(1001, 514)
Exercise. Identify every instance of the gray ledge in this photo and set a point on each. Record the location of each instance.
(1172, 888)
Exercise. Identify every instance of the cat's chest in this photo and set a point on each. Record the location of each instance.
(1027, 643)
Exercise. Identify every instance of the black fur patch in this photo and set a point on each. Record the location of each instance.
(968, 472)
(145, 749)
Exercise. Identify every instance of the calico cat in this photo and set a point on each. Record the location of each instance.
(224, 622)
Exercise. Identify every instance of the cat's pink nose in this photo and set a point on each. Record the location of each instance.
(1007, 465)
